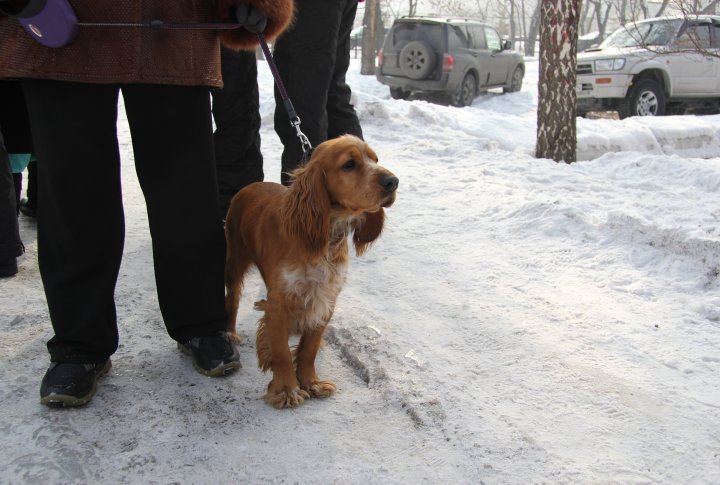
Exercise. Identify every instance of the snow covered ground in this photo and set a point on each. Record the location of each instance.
(520, 321)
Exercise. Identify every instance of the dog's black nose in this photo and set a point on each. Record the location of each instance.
(389, 183)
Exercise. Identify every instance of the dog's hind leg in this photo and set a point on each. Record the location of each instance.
(236, 266)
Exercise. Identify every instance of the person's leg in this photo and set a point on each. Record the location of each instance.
(80, 244)
(174, 158)
(236, 111)
(28, 205)
(10, 245)
(305, 55)
(342, 118)
(17, 183)
(171, 132)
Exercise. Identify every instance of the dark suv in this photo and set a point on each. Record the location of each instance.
(461, 58)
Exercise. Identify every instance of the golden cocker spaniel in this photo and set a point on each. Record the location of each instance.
(297, 238)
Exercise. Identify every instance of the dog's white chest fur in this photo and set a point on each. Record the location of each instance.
(317, 287)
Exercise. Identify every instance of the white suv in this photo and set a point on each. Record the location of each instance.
(653, 67)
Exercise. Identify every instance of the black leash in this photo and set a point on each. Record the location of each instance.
(159, 24)
(294, 118)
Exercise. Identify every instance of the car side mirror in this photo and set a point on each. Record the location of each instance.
(506, 45)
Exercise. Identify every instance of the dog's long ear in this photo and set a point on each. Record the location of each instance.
(306, 211)
(367, 230)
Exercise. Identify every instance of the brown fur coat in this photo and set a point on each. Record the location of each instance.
(131, 55)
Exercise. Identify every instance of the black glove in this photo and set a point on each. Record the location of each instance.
(250, 18)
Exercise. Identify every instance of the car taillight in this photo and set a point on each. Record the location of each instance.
(448, 62)
(380, 58)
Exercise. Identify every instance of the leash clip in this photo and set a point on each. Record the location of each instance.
(307, 147)
(304, 141)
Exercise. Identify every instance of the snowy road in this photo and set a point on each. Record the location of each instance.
(520, 321)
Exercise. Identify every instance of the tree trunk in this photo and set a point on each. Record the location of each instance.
(412, 7)
(601, 18)
(622, 12)
(523, 24)
(372, 32)
(512, 21)
(662, 8)
(583, 21)
(710, 8)
(533, 32)
(556, 131)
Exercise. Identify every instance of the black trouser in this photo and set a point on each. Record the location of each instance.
(313, 58)
(10, 244)
(81, 220)
(14, 138)
(236, 110)
(17, 182)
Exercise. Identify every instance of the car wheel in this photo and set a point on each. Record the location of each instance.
(646, 98)
(417, 60)
(399, 93)
(515, 81)
(466, 91)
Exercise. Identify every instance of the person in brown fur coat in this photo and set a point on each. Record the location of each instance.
(72, 92)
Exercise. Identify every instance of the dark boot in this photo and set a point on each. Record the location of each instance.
(8, 267)
(27, 209)
(213, 356)
(68, 384)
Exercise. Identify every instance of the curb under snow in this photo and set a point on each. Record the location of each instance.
(686, 136)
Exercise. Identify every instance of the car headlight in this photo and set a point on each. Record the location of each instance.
(609, 64)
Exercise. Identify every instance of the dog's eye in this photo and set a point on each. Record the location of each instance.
(349, 165)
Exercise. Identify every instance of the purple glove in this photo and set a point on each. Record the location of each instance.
(251, 18)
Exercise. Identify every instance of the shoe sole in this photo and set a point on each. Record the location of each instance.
(219, 371)
(66, 401)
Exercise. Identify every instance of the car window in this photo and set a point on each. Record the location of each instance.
(645, 33)
(695, 35)
(478, 37)
(716, 37)
(405, 32)
(470, 35)
(457, 38)
(493, 39)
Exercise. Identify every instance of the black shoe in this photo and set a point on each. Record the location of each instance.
(8, 267)
(27, 209)
(212, 356)
(68, 384)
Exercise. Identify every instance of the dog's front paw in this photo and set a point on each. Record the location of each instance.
(320, 388)
(286, 398)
